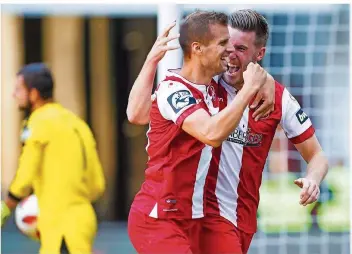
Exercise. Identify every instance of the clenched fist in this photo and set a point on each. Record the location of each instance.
(254, 77)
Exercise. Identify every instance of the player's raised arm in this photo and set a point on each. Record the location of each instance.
(139, 101)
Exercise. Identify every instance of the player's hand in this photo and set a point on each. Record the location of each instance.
(266, 95)
(160, 46)
(310, 191)
(254, 77)
(5, 213)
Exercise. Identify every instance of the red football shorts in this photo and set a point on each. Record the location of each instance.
(150, 235)
(218, 235)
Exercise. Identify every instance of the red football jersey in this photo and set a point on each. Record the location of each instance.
(233, 187)
(178, 163)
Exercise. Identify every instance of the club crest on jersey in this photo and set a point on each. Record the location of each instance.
(301, 116)
(212, 96)
(26, 133)
(247, 138)
(180, 99)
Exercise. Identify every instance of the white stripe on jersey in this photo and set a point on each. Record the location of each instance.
(147, 146)
(154, 212)
(229, 172)
(202, 172)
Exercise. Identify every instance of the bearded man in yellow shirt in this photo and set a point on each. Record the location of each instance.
(59, 163)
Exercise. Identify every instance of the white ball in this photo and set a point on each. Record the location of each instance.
(26, 214)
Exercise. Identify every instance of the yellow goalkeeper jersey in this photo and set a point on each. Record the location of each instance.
(59, 162)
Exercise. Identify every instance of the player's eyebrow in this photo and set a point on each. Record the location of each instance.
(241, 46)
(223, 41)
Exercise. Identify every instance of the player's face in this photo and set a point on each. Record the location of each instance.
(21, 94)
(215, 56)
(243, 52)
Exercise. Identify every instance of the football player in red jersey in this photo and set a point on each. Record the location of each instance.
(185, 126)
(233, 188)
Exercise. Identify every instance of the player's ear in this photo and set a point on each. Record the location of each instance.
(34, 95)
(196, 48)
(261, 53)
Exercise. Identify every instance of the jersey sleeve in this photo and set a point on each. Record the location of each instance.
(175, 101)
(295, 122)
(35, 139)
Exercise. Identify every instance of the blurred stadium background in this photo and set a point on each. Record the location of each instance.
(96, 52)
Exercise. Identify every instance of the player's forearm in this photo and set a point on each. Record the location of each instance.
(99, 186)
(317, 167)
(21, 186)
(225, 122)
(11, 202)
(139, 102)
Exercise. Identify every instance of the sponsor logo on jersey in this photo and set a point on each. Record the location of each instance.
(301, 116)
(180, 99)
(170, 210)
(247, 138)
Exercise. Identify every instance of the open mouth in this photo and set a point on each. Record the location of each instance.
(233, 68)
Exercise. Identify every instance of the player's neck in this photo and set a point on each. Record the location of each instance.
(39, 104)
(195, 74)
(237, 85)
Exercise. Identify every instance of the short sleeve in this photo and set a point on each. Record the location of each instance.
(175, 101)
(295, 122)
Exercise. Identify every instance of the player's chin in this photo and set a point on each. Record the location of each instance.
(230, 77)
(22, 108)
(223, 66)
(219, 69)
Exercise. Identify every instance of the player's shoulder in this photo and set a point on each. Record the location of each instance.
(47, 112)
(173, 84)
(282, 92)
(80, 125)
(172, 81)
(279, 91)
(42, 115)
(279, 87)
(169, 84)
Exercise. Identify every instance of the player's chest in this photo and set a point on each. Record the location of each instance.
(213, 101)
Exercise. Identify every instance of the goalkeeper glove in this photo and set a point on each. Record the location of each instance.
(5, 213)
